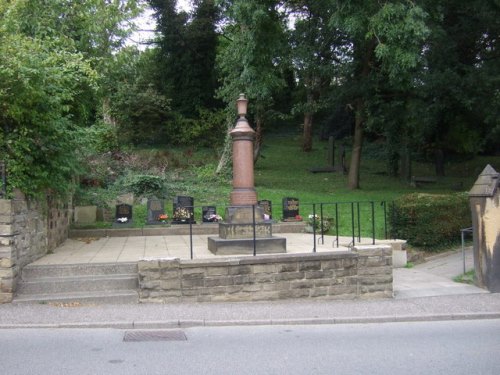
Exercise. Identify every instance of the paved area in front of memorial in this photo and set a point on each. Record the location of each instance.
(135, 248)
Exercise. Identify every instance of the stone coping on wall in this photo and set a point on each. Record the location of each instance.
(180, 229)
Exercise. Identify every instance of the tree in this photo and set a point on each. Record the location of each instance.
(251, 56)
(459, 88)
(315, 58)
(53, 57)
(40, 86)
(385, 45)
(138, 109)
(187, 50)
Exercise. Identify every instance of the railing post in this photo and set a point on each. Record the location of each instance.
(385, 219)
(352, 223)
(321, 222)
(337, 222)
(254, 232)
(314, 227)
(393, 234)
(191, 234)
(373, 222)
(359, 222)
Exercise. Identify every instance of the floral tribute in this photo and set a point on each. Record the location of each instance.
(214, 218)
(162, 218)
(182, 214)
(316, 223)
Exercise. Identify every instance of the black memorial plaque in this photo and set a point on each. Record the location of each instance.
(291, 209)
(209, 214)
(123, 215)
(267, 207)
(183, 210)
(156, 212)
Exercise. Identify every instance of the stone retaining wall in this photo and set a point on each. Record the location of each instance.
(28, 230)
(365, 272)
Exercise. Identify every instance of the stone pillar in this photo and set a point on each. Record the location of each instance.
(243, 136)
(484, 199)
(8, 269)
(244, 230)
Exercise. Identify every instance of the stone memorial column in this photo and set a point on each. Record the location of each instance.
(243, 175)
(244, 230)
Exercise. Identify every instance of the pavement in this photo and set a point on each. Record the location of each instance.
(425, 292)
(135, 248)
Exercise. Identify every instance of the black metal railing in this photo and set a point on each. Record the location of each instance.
(348, 219)
(463, 232)
(368, 218)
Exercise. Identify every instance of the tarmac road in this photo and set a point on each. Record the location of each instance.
(466, 347)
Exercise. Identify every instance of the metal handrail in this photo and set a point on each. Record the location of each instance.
(355, 221)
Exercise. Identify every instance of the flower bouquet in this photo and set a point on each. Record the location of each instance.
(320, 225)
(182, 214)
(162, 218)
(214, 218)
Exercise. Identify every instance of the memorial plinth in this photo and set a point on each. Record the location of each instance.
(244, 228)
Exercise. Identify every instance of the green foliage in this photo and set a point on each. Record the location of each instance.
(208, 130)
(400, 30)
(39, 89)
(99, 138)
(141, 113)
(427, 220)
(140, 212)
(250, 59)
(94, 196)
(145, 185)
(186, 54)
(53, 56)
(466, 278)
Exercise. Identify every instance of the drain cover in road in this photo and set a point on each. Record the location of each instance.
(162, 335)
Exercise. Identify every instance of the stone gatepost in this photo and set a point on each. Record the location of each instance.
(244, 219)
(484, 199)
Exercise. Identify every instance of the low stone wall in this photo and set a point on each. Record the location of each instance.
(365, 272)
(28, 230)
(174, 230)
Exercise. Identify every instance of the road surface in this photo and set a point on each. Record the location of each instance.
(449, 347)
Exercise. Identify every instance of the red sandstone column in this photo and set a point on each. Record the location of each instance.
(243, 135)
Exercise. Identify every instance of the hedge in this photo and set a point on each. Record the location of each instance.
(429, 221)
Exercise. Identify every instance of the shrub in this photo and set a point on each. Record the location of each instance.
(146, 185)
(429, 221)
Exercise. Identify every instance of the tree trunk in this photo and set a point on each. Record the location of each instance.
(405, 163)
(258, 138)
(353, 178)
(226, 155)
(307, 135)
(106, 112)
(367, 55)
(439, 161)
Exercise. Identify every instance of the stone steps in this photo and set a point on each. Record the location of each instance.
(73, 270)
(84, 283)
(84, 298)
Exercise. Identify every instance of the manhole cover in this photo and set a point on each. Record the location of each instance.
(163, 335)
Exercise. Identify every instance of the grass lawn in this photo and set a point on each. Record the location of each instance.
(283, 171)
